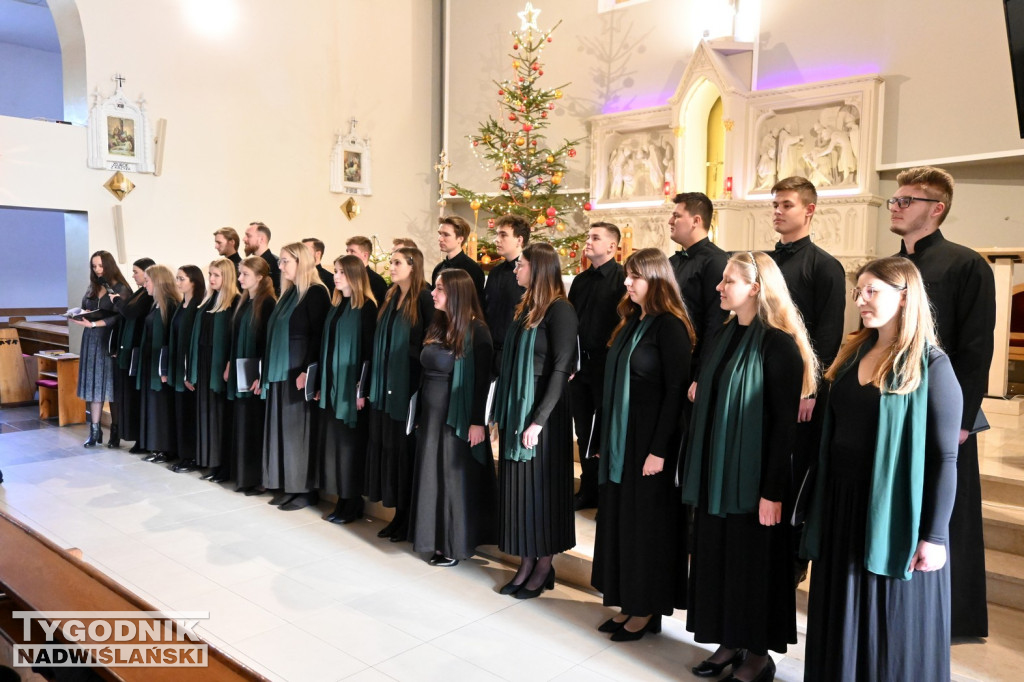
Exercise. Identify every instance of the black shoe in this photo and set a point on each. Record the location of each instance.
(220, 477)
(653, 625)
(443, 561)
(767, 674)
(510, 587)
(95, 436)
(185, 466)
(280, 498)
(300, 501)
(253, 490)
(207, 476)
(161, 457)
(137, 449)
(150, 457)
(581, 501)
(115, 438)
(385, 532)
(611, 625)
(548, 584)
(708, 669)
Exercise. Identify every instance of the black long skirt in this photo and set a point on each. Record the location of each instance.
(967, 548)
(389, 461)
(342, 455)
(248, 417)
(126, 396)
(455, 497)
(288, 461)
(535, 509)
(185, 424)
(212, 417)
(157, 432)
(862, 626)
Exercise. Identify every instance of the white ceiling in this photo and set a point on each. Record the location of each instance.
(28, 23)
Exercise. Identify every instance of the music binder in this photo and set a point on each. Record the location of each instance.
(363, 387)
(410, 421)
(489, 405)
(312, 380)
(163, 362)
(133, 366)
(247, 372)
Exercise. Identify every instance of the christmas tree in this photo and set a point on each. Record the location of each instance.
(530, 172)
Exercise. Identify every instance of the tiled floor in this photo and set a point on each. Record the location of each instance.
(297, 598)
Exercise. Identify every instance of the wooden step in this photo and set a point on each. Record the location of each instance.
(1005, 582)
(1002, 489)
(1004, 527)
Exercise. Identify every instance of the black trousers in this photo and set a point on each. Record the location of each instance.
(586, 390)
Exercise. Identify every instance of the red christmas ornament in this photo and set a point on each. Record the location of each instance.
(540, 180)
(534, 143)
(551, 105)
(501, 93)
(543, 114)
(574, 246)
(511, 117)
(476, 142)
(452, 191)
(550, 222)
(504, 188)
(535, 66)
(587, 206)
(541, 72)
(572, 152)
(490, 223)
(527, 127)
(521, 79)
(572, 254)
(552, 212)
(515, 46)
(516, 168)
(550, 39)
(506, 175)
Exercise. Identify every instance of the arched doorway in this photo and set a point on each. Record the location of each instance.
(694, 125)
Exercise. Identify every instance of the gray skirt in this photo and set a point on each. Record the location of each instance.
(95, 367)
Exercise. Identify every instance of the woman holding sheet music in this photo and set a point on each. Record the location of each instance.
(192, 287)
(454, 502)
(133, 310)
(294, 333)
(395, 376)
(207, 367)
(96, 368)
(345, 358)
(156, 396)
(248, 346)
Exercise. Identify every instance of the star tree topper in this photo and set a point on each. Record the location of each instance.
(529, 18)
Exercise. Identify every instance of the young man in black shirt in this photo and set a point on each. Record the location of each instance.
(452, 233)
(257, 243)
(226, 241)
(361, 247)
(501, 291)
(317, 248)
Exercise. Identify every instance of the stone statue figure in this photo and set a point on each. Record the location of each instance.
(785, 161)
(766, 168)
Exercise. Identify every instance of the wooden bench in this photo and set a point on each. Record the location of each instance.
(38, 336)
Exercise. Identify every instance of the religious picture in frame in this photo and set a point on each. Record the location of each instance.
(120, 137)
(350, 164)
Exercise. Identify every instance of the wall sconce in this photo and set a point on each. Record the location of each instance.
(119, 185)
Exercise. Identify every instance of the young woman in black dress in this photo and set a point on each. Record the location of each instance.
(133, 310)
(877, 530)
(737, 473)
(96, 367)
(156, 396)
(455, 493)
(192, 287)
(207, 370)
(395, 375)
(293, 343)
(345, 357)
(640, 558)
(248, 343)
(535, 472)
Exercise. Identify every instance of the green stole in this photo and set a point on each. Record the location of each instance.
(156, 342)
(460, 404)
(276, 365)
(342, 357)
(897, 479)
(176, 378)
(735, 423)
(615, 403)
(221, 344)
(389, 376)
(127, 336)
(245, 346)
(516, 387)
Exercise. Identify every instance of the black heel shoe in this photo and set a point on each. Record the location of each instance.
(708, 669)
(115, 439)
(611, 625)
(549, 584)
(767, 674)
(510, 587)
(95, 436)
(385, 532)
(653, 626)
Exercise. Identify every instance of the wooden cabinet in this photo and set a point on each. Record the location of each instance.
(58, 388)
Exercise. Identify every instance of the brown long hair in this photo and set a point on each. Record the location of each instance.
(164, 291)
(355, 273)
(111, 273)
(775, 308)
(448, 327)
(662, 291)
(264, 290)
(409, 307)
(545, 286)
(915, 328)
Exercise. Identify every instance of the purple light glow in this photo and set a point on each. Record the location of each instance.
(620, 104)
(814, 74)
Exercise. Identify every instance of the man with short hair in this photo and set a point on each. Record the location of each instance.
(698, 267)
(226, 241)
(962, 291)
(817, 284)
(595, 294)
(501, 291)
(399, 242)
(361, 248)
(452, 233)
(257, 243)
(316, 247)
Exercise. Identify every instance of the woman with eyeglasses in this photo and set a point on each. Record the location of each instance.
(192, 288)
(877, 530)
(208, 351)
(455, 494)
(96, 367)
(294, 333)
(737, 473)
(640, 550)
(536, 519)
(133, 310)
(157, 432)
(248, 346)
(394, 377)
(345, 357)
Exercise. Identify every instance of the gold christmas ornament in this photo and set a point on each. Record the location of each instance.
(119, 185)
(520, 141)
(551, 159)
(563, 251)
(556, 179)
(540, 220)
(527, 194)
(558, 94)
(350, 208)
(475, 205)
(560, 227)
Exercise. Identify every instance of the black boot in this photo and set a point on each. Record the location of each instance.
(115, 437)
(95, 436)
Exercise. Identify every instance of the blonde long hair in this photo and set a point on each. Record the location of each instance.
(775, 308)
(305, 270)
(915, 329)
(164, 291)
(228, 285)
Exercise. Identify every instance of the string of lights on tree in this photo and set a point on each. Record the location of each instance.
(530, 179)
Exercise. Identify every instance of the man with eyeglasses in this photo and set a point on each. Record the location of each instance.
(961, 289)
(817, 283)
